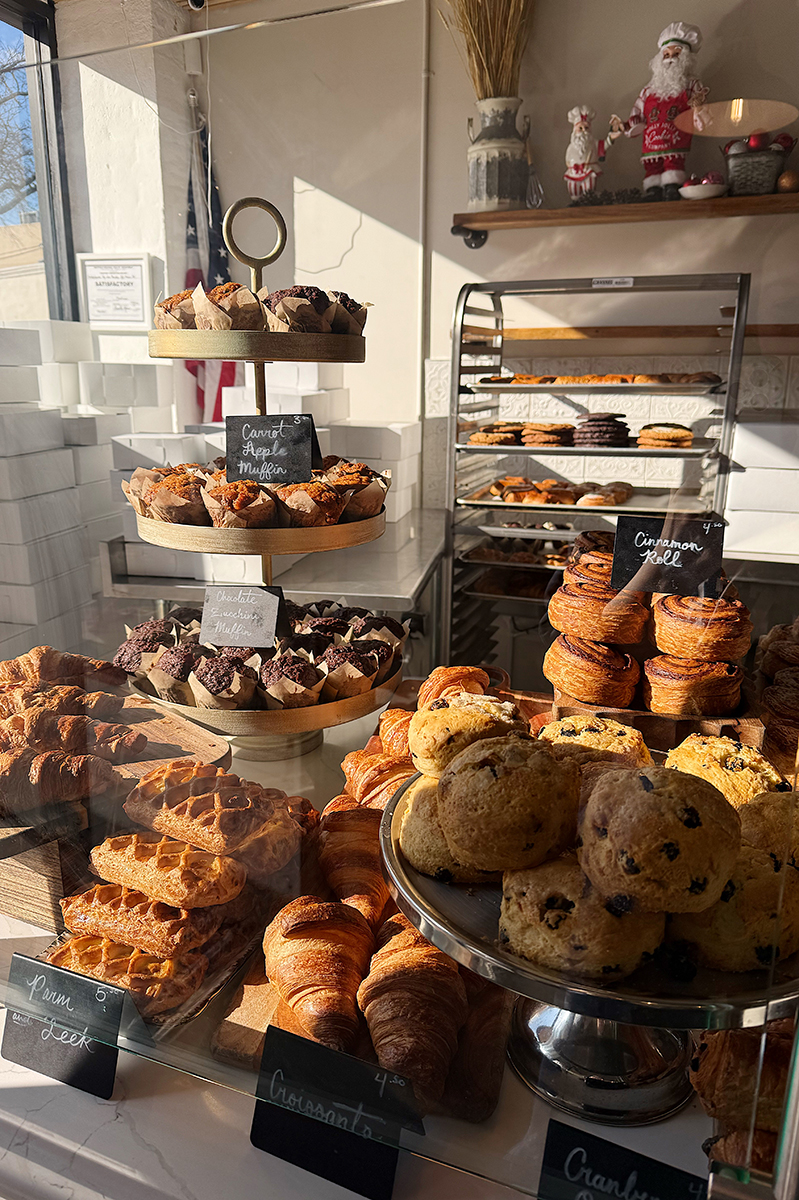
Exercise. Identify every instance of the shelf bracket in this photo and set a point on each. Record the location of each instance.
(473, 238)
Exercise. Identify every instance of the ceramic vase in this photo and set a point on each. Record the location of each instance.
(497, 156)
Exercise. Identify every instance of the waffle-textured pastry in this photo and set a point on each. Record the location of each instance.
(168, 870)
(203, 805)
(446, 727)
(691, 687)
(591, 672)
(555, 917)
(157, 984)
(739, 772)
(595, 611)
(710, 630)
(275, 845)
(590, 738)
(658, 840)
(125, 915)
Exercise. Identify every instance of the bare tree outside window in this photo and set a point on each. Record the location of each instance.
(18, 200)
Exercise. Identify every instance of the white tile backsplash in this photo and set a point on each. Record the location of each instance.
(763, 381)
(792, 390)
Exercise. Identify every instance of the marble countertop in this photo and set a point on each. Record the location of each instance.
(166, 1134)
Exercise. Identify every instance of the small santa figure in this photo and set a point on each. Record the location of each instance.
(584, 153)
(672, 90)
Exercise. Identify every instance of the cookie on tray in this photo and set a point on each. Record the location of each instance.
(740, 772)
(553, 916)
(587, 737)
(658, 840)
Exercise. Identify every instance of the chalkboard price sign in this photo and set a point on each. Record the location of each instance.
(668, 554)
(62, 1025)
(272, 450)
(579, 1166)
(240, 615)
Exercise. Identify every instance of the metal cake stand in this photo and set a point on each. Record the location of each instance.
(615, 1054)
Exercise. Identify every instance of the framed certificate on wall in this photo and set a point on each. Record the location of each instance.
(115, 291)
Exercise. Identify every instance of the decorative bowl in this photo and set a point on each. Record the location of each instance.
(702, 191)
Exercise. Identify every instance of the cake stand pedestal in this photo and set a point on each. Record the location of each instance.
(615, 1054)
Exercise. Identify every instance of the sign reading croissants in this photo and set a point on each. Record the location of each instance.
(673, 553)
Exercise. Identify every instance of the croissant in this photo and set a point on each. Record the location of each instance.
(415, 1003)
(44, 730)
(349, 855)
(30, 780)
(448, 681)
(475, 1077)
(63, 700)
(394, 731)
(43, 662)
(372, 779)
(316, 955)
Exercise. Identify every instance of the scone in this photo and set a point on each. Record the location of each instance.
(422, 840)
(507, 803)
(554, 916)
(739, 772)
(589, 738)
(771, 823)
(754, 922)
(440, 731)
(658, 840)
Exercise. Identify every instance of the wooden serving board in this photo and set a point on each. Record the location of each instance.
(169, 736)
(206, 539)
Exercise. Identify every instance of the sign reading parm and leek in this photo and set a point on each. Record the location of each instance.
(272, 449)
(676, 554)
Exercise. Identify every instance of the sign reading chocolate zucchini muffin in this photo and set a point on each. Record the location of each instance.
(243, 615)
(668, 554)
(272, 450)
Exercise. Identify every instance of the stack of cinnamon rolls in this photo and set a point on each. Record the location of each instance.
(698, 641)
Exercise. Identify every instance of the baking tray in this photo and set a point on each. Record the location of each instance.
(603, 389)
(504, 566)
(640, 504)
(700, 447)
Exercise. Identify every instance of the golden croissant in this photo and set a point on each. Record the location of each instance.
(349, 855)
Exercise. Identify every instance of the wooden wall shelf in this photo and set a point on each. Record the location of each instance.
(474, 227)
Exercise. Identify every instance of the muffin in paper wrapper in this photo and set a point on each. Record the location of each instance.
(260, 514)
(347, 678)
(307, 310)
(238, 693)
(285, 693)
(349, 316)
(176, 312)
(368, 501)
(298, 507)
(168, 686)
(167, 506)
(148, 651)
(140, 481)
(388, 658)
(381, 629)
(229, 306)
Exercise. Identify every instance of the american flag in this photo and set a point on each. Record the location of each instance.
(207, 263)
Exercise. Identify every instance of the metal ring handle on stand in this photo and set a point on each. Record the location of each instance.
(256, 265)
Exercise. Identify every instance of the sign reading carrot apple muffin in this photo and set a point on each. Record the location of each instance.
(272, 449)
(668, 554)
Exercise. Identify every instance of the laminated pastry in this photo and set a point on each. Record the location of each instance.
(316, 955)
(393, 726)
(472, 1090)
(589, 566)
(156, 984)
(779, 656)
(590, 738)
(310, 504)
(43, 664)
(202, 805)
(555, 917)
(275, 844)
(177, 499)
(753, 924)
(691, 687)
(508, 802)
(168, 870)
(591, 672)
(443, 682)
(171, 667)
(710, 630)
(62, 700)
(222, 682)
(441, 731)
(754, 1149)
(349, 855)
(737, 1077)
(372, 779)
(588, 541)
(347, 672)
(127, 916)
(291, 682)
(422, 839)
(658, 840)
(39, 729)
(739, 772)
(415, 1004)
(242, 504)
(595, 611)
(31, 779)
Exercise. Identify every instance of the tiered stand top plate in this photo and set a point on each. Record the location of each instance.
(243, 722)
(205, 539)
(462, 921)
(244, 345)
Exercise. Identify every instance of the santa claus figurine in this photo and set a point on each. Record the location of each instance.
(673, 89)
(584, 153)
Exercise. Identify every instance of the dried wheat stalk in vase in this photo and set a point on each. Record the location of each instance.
(491, 36)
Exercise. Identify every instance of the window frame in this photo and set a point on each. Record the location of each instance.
(36, 20)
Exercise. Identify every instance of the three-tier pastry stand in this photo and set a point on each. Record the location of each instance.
(283, 733)
(615, 1054)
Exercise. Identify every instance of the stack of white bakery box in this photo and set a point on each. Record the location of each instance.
(763, 495)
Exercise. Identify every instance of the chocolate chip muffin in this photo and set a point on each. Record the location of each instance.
(439, 732)
(132, 655)
(422, 840)
(553, 916)
(589, 738)
(658, 840)
(739, 772)
(507, 802)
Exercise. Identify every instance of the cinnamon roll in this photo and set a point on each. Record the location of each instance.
(592, 610)
(590, 540)
(591, 672)
(779, 656)
(691, 686)
(708, 630)
(781, 704)
(591, 567)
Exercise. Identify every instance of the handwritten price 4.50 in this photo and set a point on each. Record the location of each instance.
(384, 1080)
